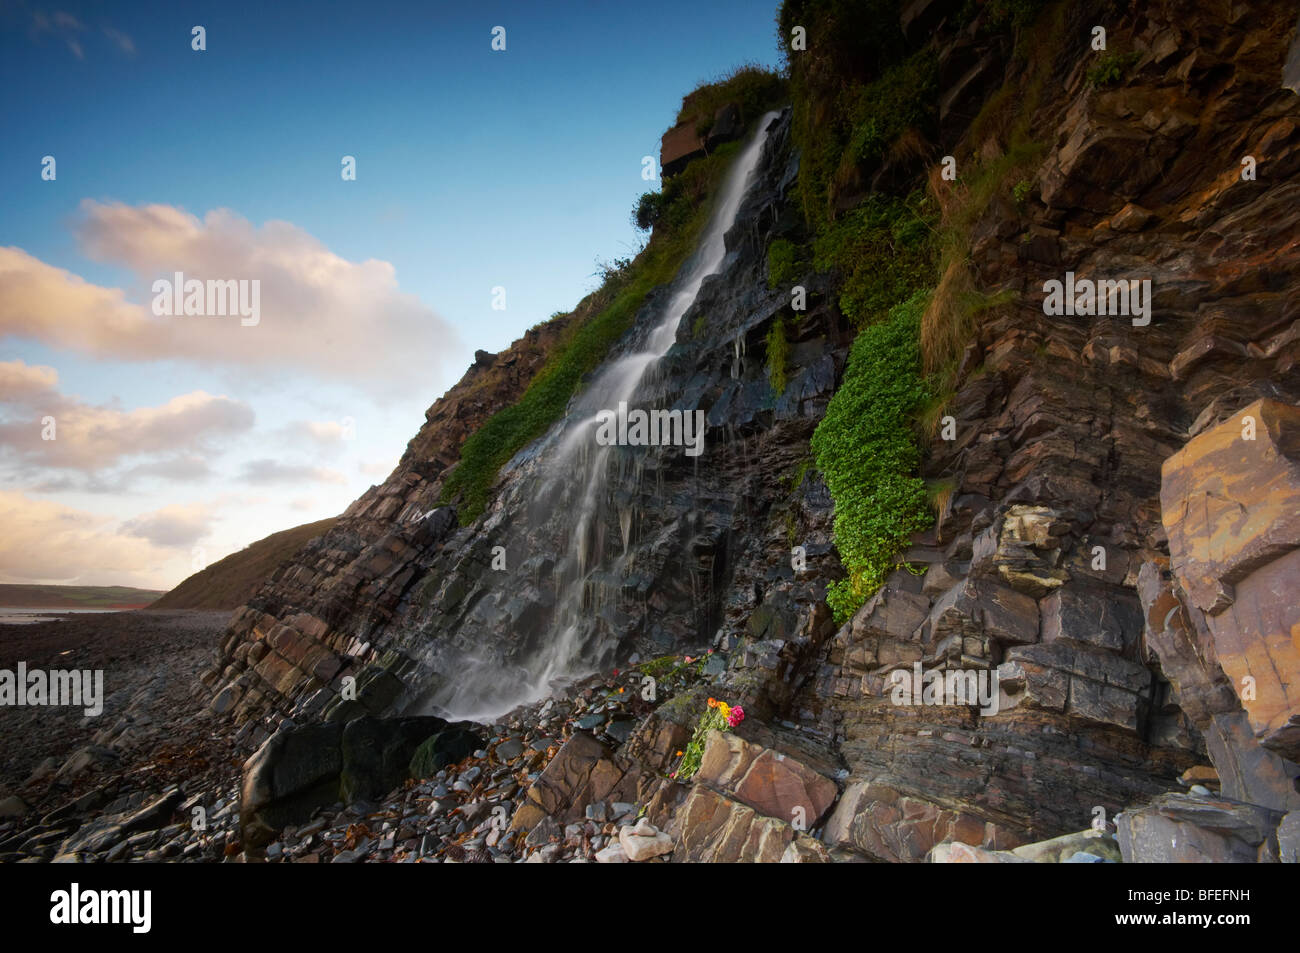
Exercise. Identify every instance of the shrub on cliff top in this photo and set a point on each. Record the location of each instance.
(866, 451)
(755, 89)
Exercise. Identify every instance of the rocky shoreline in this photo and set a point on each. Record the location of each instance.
(586, 776)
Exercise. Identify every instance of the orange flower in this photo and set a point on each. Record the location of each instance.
(713, 703)
(679, 754)
(620, 690)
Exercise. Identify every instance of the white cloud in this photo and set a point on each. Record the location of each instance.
(94, 438)
(322, 433)
(173, 525)
(49, 542)
(319, 314)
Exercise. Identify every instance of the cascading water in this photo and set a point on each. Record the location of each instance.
(574, 478)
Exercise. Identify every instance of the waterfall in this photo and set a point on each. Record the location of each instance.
(576, 478)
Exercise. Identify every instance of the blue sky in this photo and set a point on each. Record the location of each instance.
(475, 169)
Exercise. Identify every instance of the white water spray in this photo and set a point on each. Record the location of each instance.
(481, 690)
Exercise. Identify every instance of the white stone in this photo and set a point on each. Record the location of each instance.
(613, 854)
(639, 848)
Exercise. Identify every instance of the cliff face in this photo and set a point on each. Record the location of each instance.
(1089, 460)
(1063, 425)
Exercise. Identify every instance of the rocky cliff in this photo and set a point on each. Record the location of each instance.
(1115, 538)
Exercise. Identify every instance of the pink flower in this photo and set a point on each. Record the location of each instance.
(735, 716)
(689, 660)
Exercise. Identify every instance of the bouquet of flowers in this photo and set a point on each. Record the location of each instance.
(721, 717)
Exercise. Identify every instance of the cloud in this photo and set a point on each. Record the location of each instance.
(121, 40)
(63, 25)
(380, 468)
(49, 542)
(263, 472)
(173, 525)
(93, 438)
(319, 313)
(189, 468)
(326, 433)
(22, 382)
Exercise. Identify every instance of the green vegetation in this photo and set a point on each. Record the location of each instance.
(647, 211)
(884, 251)
(856, 95)
(778, 356)
(719, 716)
(74, 597)
(659, 667)
(1111, 67)
(1020, 193)
(903, 98)
(862, 103)
(865, 449)
(755, 89)
(786, 262)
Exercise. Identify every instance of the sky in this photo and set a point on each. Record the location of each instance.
(137, 445)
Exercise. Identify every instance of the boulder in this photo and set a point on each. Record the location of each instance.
(718, 829)
(582, 772)
(298, 770)
(955, 852)
(613, 854)
(378, 753)
(774, 784)
(449, 746)
(1187, 828)
(644, 844)
(294, 771)
(726, 126)
(1059, 850)
(885, 824)
(806, 850)
(1230, 504)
